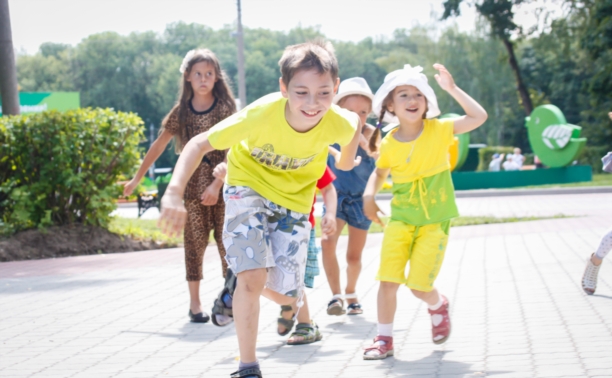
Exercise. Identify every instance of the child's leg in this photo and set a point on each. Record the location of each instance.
(425, 263)
(330, 261)
(195, 236)
(396, 249)
(249, 287)
(356, 242)
(605, 246)
(217, 218)
(591, 271)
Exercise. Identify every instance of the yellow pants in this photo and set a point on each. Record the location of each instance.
(423, 246)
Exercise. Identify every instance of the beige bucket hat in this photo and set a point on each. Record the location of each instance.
(353, 86)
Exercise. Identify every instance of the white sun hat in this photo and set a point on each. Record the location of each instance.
(353, 86)
(407, 76)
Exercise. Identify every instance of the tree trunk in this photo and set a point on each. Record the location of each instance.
(525, 99)
(8, 73)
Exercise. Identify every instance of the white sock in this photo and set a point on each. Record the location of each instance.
(385, 329)
(437, 305)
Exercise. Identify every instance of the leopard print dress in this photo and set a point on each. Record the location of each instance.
(201, 220)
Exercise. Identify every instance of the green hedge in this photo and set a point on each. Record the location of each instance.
(60, 168)
(591, 155)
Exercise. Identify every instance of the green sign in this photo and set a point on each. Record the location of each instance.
(36, 102)
(552, 139)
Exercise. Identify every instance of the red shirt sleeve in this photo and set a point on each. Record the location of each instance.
(327, 178)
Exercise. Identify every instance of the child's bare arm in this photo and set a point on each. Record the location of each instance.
(337, 155)
(330, 199)
(173, 216)
(348, 152)
(375, 183)
(157, 148)
(475, 115)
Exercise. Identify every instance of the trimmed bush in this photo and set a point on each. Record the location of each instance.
(61, 168)
(591, 155)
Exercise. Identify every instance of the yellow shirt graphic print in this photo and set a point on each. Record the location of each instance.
(266, 156)
(273, 159)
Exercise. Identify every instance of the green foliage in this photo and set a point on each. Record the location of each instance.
(567, 64)
(61, 168)
(591, 155)
(485, 154)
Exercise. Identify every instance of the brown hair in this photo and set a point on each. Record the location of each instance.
(221, 91)
(375, 137)
(318, 55)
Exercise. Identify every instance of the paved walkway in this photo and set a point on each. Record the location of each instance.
(517, 309)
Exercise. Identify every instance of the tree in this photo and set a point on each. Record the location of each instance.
(500, 16)
(8, 75)
(597, 41)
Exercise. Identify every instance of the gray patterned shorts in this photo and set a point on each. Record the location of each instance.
(258, 233)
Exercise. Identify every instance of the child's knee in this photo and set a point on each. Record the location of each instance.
(421, 294)
(353, 259)
(386, 286)
(252, 281)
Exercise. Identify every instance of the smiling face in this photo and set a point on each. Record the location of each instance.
(202, 78)
(408, 104)
(309, 96)
(357, 104)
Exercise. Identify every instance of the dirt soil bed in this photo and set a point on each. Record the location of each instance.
(72, 240)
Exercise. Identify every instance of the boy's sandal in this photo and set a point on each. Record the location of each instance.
(336, 306)
(287, 323)
(384, 350)
(219, 307)
(309, 333)
(353, 308)
(247, 373)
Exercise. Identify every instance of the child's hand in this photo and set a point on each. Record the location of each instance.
(220, 171)
(337, 155)
(173, 215)
(328, 224)
(444, 78)
(211, 194)
(129, 187)
(610, 115)
(371, 210)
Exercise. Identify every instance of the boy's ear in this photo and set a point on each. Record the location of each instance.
(336, 85)
(283, 87)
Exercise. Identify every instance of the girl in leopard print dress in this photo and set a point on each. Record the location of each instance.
(205, 99)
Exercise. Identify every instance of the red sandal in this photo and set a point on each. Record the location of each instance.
(384, 350)
(441, 332)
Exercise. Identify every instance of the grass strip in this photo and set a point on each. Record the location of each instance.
(146, 229)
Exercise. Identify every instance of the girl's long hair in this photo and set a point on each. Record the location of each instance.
(221, 91)
(374, 141)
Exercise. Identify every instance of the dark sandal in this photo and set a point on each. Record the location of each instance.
(336, 306)
(247, 373)
(287, 323)
(309, 333)
(354, 309)
(201, 317)
(219, 308)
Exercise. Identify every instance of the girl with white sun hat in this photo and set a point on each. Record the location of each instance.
(353, 94)
(416, 156)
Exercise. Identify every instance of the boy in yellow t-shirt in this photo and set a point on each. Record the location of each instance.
(279, 148)
(416, 155)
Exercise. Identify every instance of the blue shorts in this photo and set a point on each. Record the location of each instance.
(350, 210)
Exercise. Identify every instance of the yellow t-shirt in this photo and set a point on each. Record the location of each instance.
(428, 153)
(270, 157)
(423, 190)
